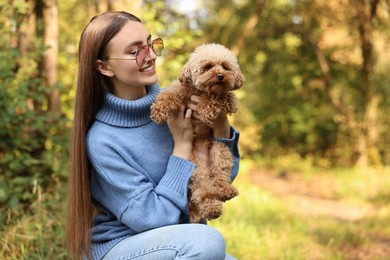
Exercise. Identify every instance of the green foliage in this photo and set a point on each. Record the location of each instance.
(33, 139)
(285, 94)
(296, 117)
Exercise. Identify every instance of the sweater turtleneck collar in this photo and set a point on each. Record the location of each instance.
(128, 113)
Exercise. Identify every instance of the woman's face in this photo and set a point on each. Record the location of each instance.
(127, 76)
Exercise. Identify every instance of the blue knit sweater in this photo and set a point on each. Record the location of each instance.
(136, 182)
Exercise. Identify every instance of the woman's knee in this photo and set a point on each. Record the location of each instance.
(207, 242)
(186, 241)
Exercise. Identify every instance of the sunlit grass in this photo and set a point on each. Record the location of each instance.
(258, 225)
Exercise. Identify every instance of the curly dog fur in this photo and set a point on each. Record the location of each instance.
(212, 72)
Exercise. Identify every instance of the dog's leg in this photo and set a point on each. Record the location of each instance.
(209, 110)
(221, 167)
(193, 210)
(203, 203)
(195, 193)
(167, 104)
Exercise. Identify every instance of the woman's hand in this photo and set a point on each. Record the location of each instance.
(182, 132)
(221, 125)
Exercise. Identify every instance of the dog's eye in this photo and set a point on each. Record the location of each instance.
(207, 67)
(226, 66)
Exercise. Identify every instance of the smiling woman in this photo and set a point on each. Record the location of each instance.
(131, 72)
(134, 171)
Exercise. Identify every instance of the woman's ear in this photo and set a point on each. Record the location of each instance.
(103, 68)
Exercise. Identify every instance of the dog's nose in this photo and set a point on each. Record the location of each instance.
(220, 77)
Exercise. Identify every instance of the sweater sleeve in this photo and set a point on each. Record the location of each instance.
(232, 144)
(127, 192)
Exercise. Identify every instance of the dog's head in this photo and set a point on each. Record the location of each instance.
(212, 68)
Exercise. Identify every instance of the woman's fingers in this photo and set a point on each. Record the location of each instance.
(188, 114)
(193, 107)
(181, 110)
(193, 104)
(195, 99)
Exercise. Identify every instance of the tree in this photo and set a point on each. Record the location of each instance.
(50, 57)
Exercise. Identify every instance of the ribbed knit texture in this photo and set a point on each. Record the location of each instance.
(125, 113)
(136, 183)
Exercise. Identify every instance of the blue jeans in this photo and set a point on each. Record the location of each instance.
(185, 241)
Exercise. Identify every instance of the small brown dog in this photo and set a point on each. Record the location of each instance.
(212, 72)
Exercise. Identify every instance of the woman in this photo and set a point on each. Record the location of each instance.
(134, 172)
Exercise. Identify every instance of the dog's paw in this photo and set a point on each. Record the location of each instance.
(165, 106)
(228, 193)
(210, 209)
(157, 114)
(209, 110)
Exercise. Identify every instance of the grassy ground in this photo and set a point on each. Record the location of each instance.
(39, 232)
(278, 215)
(335, 214)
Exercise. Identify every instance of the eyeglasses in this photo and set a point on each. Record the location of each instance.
(157, 46)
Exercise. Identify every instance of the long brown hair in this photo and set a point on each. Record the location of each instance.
(91, 87)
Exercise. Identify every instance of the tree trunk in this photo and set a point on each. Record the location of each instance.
(25, 35)
(50, 57)
(367, 142)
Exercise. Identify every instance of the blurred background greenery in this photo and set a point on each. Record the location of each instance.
(315, 101)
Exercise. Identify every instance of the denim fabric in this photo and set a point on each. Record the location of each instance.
(185, 241)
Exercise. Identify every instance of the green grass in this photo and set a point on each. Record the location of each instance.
(256, 224)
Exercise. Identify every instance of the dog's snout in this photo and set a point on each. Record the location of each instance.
(220, 77)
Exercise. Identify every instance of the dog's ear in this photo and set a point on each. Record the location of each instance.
(185, 76)
(239, 81)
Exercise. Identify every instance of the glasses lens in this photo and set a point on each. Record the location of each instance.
(141, 54)
(158, 46)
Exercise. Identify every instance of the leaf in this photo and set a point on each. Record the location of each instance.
(21, 6)
(4, 191)
(13, 202)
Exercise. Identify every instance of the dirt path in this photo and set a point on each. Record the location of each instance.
(317, 197)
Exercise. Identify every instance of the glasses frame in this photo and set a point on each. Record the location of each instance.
(149, 46)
